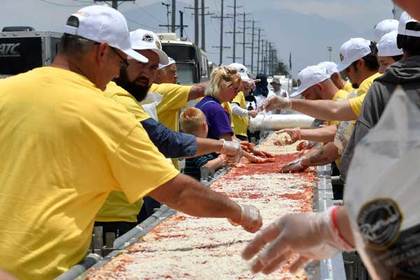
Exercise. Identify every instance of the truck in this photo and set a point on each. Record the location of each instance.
(191, 61)
(21, 51)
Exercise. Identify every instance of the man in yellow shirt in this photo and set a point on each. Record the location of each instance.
(359, 63)
(65, 147)
(167, 72)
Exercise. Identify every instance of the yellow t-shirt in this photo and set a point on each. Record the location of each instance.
(174, 98)
(64, 148)
(228, 109)
(357, 102)
(240, 123)
(348, 87)
(341, 94)
(116, 207)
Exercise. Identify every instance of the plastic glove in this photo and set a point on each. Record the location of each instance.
(308, 235)
(276, 102)
(297, 165)
(232, 150)
(288, 136)
(251, 219)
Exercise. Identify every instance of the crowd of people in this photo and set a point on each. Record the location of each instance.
(94, 140)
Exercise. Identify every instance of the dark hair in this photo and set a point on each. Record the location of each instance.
(261, 86)
(371, 60)
(409, 44)
(74, 45)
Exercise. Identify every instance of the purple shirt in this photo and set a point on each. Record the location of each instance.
(217, 118)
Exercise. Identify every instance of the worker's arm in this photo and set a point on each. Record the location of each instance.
(324, 109)
(197, 90)
(320, 109)
(318, 156)
(174, 144)
(323, 134)
(185, 194)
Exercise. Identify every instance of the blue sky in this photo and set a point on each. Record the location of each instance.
(304, 27)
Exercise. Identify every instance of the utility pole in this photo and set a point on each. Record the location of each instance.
(173, 19)
(167, 5)
(181, 24)
(244, 43)
(114, 3)
(221, 47)
(266, 57)
(203, 25)
(258, 50)
(235, 7)
(196, 27)
(262, 55)
(329, 48)
(252, 46)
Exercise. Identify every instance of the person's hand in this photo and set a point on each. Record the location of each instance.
(298, 165)
(256, 159)
(287, 136)
(263, 154)
(250, 220)
(276, 103)
(307, 235)
(250, 148)
(223, 159)
(232, 150)
(252, 113)
(304, 145)
(247, 146)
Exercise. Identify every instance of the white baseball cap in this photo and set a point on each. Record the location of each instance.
(329, 66)
(387, 45)
(405, 28)
(353, 50)
(385, 26)
(170, 62)
(142, 39)
(103, 24)
(242, 70)
(309, 77)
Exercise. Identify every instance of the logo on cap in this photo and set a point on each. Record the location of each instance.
(341, 57)
(148, 38)
(379, 223)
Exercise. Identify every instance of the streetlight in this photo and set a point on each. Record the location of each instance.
(329, 48)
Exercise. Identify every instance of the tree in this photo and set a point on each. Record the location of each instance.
(281, 69)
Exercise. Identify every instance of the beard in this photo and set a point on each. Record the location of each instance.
(355, 85)
(138, 91)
